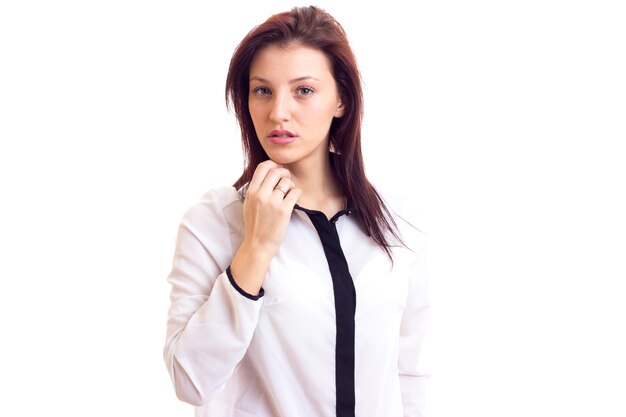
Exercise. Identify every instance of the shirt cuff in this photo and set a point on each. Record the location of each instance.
(241, 290)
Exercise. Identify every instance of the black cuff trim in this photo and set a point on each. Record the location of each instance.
(240, 290)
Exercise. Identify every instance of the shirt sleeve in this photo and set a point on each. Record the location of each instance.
(412, 369)
(211, 320)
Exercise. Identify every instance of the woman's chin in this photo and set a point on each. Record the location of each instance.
(281, 158)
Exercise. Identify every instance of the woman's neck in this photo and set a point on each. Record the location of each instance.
(320, 189)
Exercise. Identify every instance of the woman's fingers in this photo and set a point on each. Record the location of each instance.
(282, 188)
(260, 173)
(292, 197)
(271, 180)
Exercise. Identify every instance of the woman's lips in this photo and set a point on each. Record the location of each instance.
(281, 137)
(281, 140)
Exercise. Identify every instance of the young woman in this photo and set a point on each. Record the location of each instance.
(299, 291)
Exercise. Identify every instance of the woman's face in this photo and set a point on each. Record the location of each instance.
(293, 99)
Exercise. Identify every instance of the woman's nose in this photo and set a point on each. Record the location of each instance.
(280, 108)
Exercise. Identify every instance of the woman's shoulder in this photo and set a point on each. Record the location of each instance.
(216, 205)
(221, 197)
(213, 221)
(405, 212)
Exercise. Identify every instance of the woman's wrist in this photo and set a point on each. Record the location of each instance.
(249, 266)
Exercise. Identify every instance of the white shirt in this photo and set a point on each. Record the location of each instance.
(335, 331)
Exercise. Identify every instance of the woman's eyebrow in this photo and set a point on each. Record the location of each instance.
(295, 80)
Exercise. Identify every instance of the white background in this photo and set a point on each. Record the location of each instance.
(504, 121)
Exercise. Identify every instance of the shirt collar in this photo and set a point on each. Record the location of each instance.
(350, 208)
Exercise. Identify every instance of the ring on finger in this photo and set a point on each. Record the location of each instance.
(278, 187)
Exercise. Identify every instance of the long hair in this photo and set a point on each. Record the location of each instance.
(314, 27)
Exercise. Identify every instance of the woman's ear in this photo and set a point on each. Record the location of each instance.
(340, 110)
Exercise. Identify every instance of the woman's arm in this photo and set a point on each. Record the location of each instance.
(415, 319)
(214, 310)
(211, 320)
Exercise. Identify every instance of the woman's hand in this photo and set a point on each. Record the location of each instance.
(266, 214)
(267, 209)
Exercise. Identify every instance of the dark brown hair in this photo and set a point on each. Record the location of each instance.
(314, 27)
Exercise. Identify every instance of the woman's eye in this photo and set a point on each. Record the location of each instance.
(305, 91)
(262, 91)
